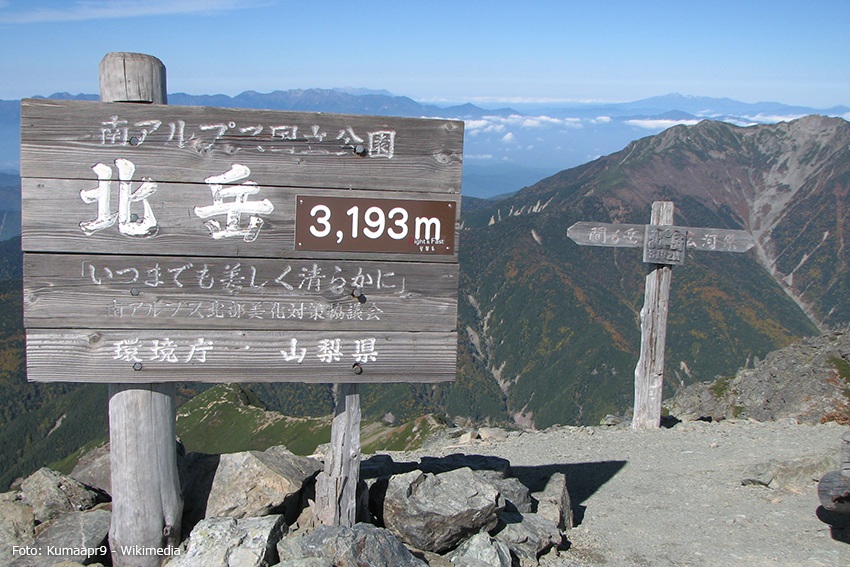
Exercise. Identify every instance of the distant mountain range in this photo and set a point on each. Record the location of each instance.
(505, 148)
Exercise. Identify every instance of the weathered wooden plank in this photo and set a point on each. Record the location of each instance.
(146, 503)
(146, 500)
(63, 139)
(719, 239)
(147, 356)
(649, 371)
(606, 234)
(156, 292)
(632, 236)
(56, 219)
(336, 485)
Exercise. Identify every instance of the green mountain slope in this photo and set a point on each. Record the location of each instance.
(557, 324)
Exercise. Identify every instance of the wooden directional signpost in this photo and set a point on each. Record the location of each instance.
(167, 244)
(664, 245)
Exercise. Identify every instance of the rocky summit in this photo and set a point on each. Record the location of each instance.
(703, 494)
(808, 381)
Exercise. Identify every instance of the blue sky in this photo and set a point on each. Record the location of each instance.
(442, 51)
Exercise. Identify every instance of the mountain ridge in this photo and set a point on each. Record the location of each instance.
(580, 305)
(527, 141)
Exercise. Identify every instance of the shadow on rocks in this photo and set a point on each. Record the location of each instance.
(583, 479)
(839, 524)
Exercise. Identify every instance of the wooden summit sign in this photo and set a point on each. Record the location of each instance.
(167, 243)
(664, 246)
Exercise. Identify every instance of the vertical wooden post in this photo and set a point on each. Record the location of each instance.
(336, 486)
(649, 372)
(147, 506)
(845, 454)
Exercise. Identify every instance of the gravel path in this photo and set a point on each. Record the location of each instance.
(675, 496)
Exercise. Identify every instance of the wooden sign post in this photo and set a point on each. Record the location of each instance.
(664, 245)
(168, 244)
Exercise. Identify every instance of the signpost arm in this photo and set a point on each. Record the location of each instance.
(336, 486)
(146, 502)
(649, 372)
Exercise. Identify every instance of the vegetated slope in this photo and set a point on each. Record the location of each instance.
(809, 381)
(230, 417)
(555, 325)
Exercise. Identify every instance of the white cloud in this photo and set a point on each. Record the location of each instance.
(477, 156)
(118, 9)
(507, 138)
(476, 124)
(602, 120)
(773, 119)
(500, 124)
(660, 123)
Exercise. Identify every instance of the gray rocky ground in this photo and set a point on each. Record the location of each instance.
(729, 493)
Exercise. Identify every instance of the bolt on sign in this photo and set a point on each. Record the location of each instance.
(166, 243)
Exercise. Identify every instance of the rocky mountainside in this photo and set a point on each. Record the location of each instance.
(808, 381)
(555, 325)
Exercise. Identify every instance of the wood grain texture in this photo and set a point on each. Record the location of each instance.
(336, 485)
(132, 292)
(649, 372)
(146, 499)
(632, 236)
(63, 139)
(52, 213)
(147, 505)
(148, 356)
(132, 77)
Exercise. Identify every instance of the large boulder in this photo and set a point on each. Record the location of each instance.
(231, 542)
(240, 485)
(76, 536)
(51, 494)
(481, 550)
(553, 502)
(17, 523)
(335, 546)
(94, 469)
(435, 512)
(528, 535)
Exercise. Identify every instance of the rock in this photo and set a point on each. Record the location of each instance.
(468, 437)
(231, 542)
(492, 434)
(51, 493)
(614, 420)
(834, 492)
(481, 550)
(76, 536)
(793, 474)
(239, 485)
(528, 535)
(306, 562)
(455, 461)
(514, 493)
(16, 526)
(17, 520)
(434, 512)
(336, 546)
(799, 381)
(94, 469)
(553, 502)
